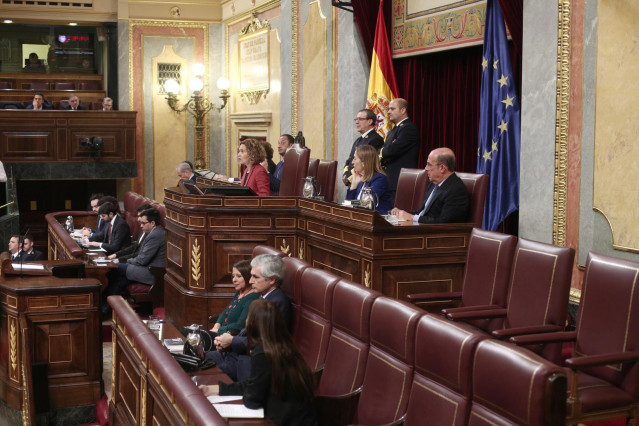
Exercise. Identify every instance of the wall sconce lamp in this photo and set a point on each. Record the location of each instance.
(198, 106)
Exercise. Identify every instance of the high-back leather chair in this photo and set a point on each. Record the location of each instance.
(63, 85)
(312, 166)
(291, 286)
(133, 200)
(604, 379)
(39, 85)
(512, 386)
(63, 104)
(486, 277)
(538, 296)
(441, 387)
(294, 171)
(347, 352)
(477, 185)
(313, 325)
(411, 189)
(262, 249)
(389, 366)
(90, 85)
(5, 85)
(326, 175)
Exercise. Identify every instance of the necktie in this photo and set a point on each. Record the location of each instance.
(109, 233)
(429, 201)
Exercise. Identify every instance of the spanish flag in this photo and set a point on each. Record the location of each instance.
(382, 86)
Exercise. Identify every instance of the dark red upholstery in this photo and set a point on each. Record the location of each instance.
(132, 201)
(294, 171)
(62, 104)
(5, 85)
(95, 106)
(389, 367)
(312, 166)
(326, 175)
(39, 85)
(90, 85)
(486, 277)
(292, 284)
(441, 386)
(313, 325)
(477, 185)
(261, 249)
(512, 386)
(411, 188)
(63, 85)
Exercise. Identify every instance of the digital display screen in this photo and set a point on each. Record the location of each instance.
(64, 39)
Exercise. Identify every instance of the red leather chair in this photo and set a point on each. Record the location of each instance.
(294, 171)
(63, 85)
(348, 345)
(313, 324)
(538, 297)
(5, 85)
(389, 366)
(261, 249)
(411, 189)
(486, 277)
(39, 85)
(326, 175)
(477, 185)
(603, 369)
(62, 104)
(441, 386)
(95, 106)
(312, 166)
(90, 85)
(291, 285)
(512, 386)
(133, 200)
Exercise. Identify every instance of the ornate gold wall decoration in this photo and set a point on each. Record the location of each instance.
(143, 400)
(562, 116)
(254, 58)
(114, 360)
(301, 250)
(13, 350)
(285, 248)
(368, 279)
(25, 398)
(196, 254)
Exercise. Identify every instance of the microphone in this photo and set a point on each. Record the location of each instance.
(21, 252)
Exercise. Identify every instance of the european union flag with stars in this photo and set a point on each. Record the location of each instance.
(499, 123)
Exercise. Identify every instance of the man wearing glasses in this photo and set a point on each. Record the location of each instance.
(136, 269)
(365, 123)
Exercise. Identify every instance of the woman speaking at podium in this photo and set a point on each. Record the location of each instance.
(251, 153)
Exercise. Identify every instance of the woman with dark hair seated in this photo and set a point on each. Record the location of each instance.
(250, 154)
(233, 318)
(280, 380)
(367, 172)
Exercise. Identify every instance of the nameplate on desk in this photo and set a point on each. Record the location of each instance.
(27, 266)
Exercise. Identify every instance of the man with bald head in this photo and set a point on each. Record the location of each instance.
(446, 199)
(401, 147)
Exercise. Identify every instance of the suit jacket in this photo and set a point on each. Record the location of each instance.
(450, 205)
(239, 344)
(80, 108)
(120, 235)
(44, 106)
(379, 184)
(152, 253)
(401, 149)
(373, 139)
(34, 255)
(130, 251)
(276, 177)
(257, 180)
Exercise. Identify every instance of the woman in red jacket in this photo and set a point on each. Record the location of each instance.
(250, 154)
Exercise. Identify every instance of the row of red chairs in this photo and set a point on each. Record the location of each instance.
(57, 85)
(518, 290)
(384, 361)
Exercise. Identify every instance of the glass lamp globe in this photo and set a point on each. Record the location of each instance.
(171, 86)
(223, 83)
(198, 69)
(196, 85)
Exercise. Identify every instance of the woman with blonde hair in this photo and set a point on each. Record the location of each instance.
(280, 381)
(367, 172)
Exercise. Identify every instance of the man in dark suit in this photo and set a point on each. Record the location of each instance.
(185, 172)
(284, 143)
(131, 251)
(231, 356)
(446, 199)
(365, 123)
(28, 252)
(74, 104)
(15, 247)
(136, 269)
(401, 148)
(116, 233)
(39, 103)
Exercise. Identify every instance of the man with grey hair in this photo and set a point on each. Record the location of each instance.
(185, 172)
(231, 356)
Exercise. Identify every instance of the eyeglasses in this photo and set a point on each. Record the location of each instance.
(141, 222)
(360, 119)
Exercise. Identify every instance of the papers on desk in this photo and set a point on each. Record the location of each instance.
(216, 399)
(27, 266)
(238, 411)
(98, 250)
(102, 260)
(77, 233)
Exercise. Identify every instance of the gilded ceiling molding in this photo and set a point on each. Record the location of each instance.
(255, 10)
(562, 117)
(295, 9)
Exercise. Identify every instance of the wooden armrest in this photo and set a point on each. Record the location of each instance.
(482, 314)
(337, 409)
(518, 331)
(577, 363)
(535, 339)
(470, 308)
(427, 297)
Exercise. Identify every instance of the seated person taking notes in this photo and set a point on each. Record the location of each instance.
(446, 199)
(251, 153)
(367, 173)
(116, 233)
(279, 381)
